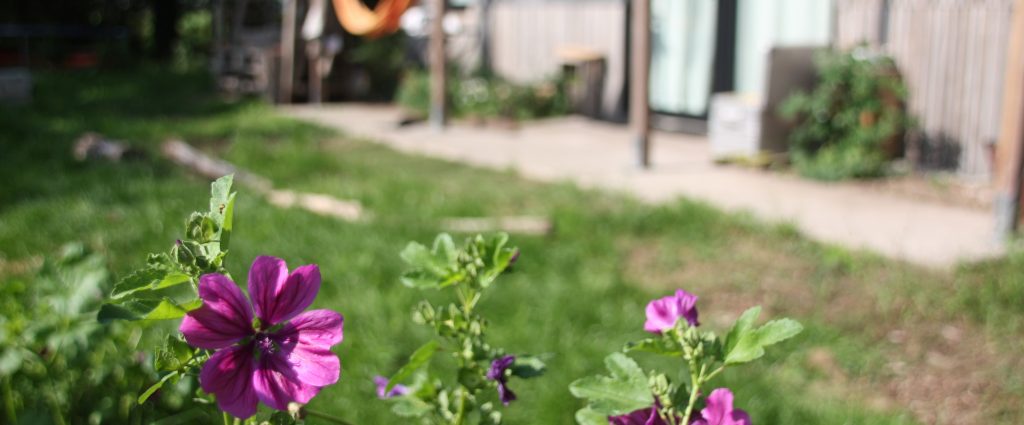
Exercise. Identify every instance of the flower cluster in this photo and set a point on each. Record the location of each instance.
(631, 396)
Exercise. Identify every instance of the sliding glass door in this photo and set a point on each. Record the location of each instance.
(682, 55)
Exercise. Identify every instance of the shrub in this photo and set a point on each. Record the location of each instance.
(480, 97)
(853, 122)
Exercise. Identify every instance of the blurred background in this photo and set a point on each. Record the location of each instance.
(854, 164)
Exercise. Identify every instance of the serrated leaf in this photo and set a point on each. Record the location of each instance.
(497, 258)
(444, 248)
(151, 278)
(409, 406)
(750, 344)
(152, 389)
(418, 359)
(743, 325)
(662, 346)
(624, 391)
(146, 309)
(173, 355)
(527, 367)
(588, 416)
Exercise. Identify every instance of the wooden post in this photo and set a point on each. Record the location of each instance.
(1010, 147)
(639, 106)
(286, 72)
(438, 107)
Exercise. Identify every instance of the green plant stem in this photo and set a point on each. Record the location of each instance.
(461, 413)
(696, 381)
(226, 418)
(325, 416)
(12, 416)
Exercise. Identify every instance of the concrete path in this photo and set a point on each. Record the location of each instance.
(600, 155)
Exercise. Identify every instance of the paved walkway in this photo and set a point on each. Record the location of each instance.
(600, 155)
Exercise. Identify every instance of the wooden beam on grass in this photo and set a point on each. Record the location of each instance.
(640, 66)
(1009, 157)
(525, 225)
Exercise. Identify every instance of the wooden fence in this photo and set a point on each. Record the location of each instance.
(952, 54)
(526, 35)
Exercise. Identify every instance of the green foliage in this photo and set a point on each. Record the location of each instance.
(195, 39)
(624, 391)
(130, 208)
(479, 97)
(852, 123)
(468, 270)
(59, 366)
(705, 355)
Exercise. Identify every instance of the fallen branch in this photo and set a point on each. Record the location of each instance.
(185, 155)
(527, 225)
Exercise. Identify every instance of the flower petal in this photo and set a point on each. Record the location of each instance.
(319, 328)
(278, 296)
(224, 318)
(228, 374)
(276, 390)
(719, 409)
(305, 348)
(663, 313)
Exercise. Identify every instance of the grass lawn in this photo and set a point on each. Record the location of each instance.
(885, 341)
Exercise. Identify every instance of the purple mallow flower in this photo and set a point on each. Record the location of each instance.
(497, 373)
(718, 410)
(648, 416)
(663, 313)
(382, 386)
(286, 358)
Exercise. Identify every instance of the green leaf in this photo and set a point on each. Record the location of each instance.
(750, 344)
(624, 391)
(662, 346)
(173, 355)
(528, 367)
(418, 359)
(149, 392)
(497, 258)
(410, 407)
(191, 416)
(444, 248)
(151, 278)
(588, 416)
(146, 309)
(222, 207)
(743, 325)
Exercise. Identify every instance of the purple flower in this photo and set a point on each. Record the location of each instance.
(647, 416)
(719, 410)
(287, 358)
(663, 313)
(497, 373)
(382, 386)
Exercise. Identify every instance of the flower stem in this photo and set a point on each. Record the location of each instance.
(696, 380)
(326, 417)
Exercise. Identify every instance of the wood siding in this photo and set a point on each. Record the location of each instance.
(525, 36)
(952, 54)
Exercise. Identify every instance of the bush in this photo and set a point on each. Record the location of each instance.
(57, 364)
(480, 97)
(853, 122)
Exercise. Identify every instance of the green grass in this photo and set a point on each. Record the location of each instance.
(575, 295)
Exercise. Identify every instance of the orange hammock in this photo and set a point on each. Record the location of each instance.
(358, 19)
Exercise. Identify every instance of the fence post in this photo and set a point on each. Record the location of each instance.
(438, 107)
(639, 107)
(1010, 147)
